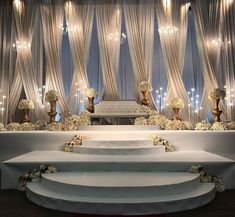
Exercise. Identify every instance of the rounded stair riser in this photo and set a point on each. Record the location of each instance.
(120, 191)
(117, 143)
(119, 151)
(127, 207)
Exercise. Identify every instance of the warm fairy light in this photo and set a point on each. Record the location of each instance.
(167, 30)
(21, 45)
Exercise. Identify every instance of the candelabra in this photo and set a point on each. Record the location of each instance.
(194, 105)
(160, 99)
(41, 92)
(80, 96)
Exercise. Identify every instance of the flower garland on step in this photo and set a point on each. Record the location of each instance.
(34, 175)
(205, 177)
(74, 142)
(157, 140)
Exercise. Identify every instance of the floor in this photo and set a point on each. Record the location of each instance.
(14, 203)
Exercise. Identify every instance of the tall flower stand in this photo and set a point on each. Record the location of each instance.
(145, 100)
(176, 114)
(26, 116)
(216, 112)
(52, 113)
(91, 107)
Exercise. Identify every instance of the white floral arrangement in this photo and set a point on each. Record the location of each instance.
(84, 118)
(74, 142)
(144, 86)
(34, 176)
(203, 126)
(219, 126)
(231, 126)
(153, 112)
(175, 125)
(144, 109)
(157, 140)
(140, 121)
(91, 92)
(41, 125)
(160, 120)
(205, 177)
(217, 94)
(52, 96)
(27, 127)
(176, 103)
(26, 104)
(188, 125)
(2, 128)
(71, 123)
(55, 126)
(14, 126)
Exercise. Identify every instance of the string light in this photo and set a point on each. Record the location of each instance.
(21, 45)
(68, 28)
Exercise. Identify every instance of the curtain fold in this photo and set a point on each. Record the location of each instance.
(139, 18)
(79, 15)
(108, 17)
(172, 20)
(52, 15)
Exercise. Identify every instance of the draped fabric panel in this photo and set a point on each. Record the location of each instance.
(7, 60)
(79, 14)
(25, 17)
(173, 47)
(139, 18)
(52, 15)
(108, 17)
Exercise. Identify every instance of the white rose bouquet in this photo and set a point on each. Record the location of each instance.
(176, 103)
(51, 95)
(26, 104)
(91, 92)
(144, 86)
(217, 94)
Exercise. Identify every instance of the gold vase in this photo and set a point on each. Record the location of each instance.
(176, 113)
(145, 100)
(91, 107)
(216, 112)
(26, 116)
(52, 113)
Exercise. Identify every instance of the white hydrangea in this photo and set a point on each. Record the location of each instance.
(160, 120)
(2, 128)
(91, 92)
(26, 104)
(176, 103)
(55, 126)
(14, 126)
(71, 123)
(140, 121)
(27, 127)
(219, 126)
(203, 126)
(175, 125)
(84, 119)
(51, 96)
(144, 86)
(144, 109)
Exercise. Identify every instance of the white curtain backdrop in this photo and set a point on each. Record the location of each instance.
(79, 15)
(139, 18)
(108, 17)
(172, 14)
(25, 17)
(52, 15)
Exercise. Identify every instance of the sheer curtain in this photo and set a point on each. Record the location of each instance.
(173, 14)
(52, 15)
(208, 27)
(25, 16)
(79, 15)
(139, 18)
(108, 17)
(7, 61)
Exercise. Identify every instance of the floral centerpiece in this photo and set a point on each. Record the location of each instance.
(144, 87)
(34, 175)
(160, 120)
(84, 119)
(203, 126)
(219, 126)
(27, 127)
(140, 121)
(71, 123)
(176, 104)
(176, 125)
(55, 126)
(91, 94)
(2, 128)
(52, 96)
(26, 105)
(216, 95)
(14, 126)
(73, 143)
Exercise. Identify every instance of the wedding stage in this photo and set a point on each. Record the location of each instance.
(117, 170)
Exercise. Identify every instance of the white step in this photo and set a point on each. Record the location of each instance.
(117, 143)
(120, 184)
(119, 150)
(107, 205)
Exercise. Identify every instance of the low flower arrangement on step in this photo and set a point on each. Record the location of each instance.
(205, 177)
(217, 126)
(74, 142)
(34, 175)
(157, 140)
